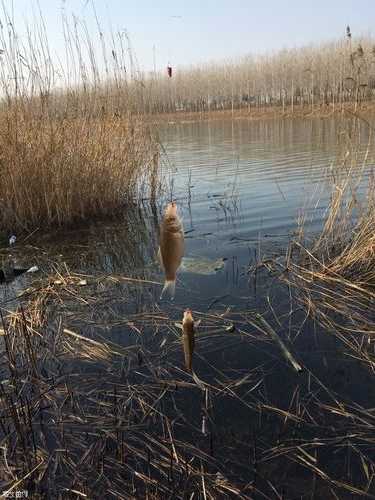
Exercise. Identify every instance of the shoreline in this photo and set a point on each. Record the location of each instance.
(274, 112)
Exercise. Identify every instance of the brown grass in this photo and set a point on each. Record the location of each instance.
(71, 147)
(335, 274)
(84, 416)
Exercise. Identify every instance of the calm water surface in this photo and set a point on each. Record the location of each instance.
(267, 170)
(242, 185)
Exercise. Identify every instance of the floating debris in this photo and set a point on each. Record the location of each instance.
(12, 240)
(203, 266)
(33, 269)
(204, 425)
(271, 332)
(215, 300)
(8, 271)
(238, 238)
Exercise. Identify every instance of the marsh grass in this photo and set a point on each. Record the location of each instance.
(72, 146)
(94, 397)
(85, 414)
(112, 433)
(334, 274)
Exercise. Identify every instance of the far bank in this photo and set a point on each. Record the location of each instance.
(365, 111)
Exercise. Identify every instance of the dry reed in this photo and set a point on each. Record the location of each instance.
(334, 275)
(71, 145)
(86, 415)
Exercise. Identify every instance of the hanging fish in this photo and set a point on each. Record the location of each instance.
(171, 248)
(188, 334)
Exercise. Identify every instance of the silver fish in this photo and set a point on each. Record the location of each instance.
(171, 248)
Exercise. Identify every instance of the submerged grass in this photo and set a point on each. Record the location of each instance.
(95, 402)
(72, 432)
(335, 274)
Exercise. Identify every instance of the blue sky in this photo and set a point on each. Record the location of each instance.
(188, 32)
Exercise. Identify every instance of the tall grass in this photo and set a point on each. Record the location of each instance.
(335, 274)
(71, 146)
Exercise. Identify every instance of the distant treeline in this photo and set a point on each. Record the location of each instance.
(328, 74)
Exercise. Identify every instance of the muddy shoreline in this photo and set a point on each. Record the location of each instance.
(366, 111)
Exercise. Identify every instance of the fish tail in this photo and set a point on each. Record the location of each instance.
(188, 361)
(169, 288)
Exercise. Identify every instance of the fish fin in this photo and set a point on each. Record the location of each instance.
(178, 325)
(170, 288)
(188, 362)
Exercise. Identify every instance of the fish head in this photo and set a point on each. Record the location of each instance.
(171, 210)
(188, 317)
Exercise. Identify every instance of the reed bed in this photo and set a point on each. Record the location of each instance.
(95, 401)
(334, 274)
(72, 146)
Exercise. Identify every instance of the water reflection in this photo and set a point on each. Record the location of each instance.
(268, 170)
(126, 244)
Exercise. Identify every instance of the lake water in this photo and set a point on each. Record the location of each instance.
(240, 187)
(267, 170)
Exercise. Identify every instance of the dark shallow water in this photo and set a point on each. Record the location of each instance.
(240, 187)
